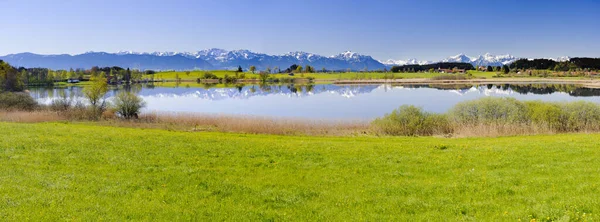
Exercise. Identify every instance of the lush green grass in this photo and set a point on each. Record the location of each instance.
(58, 171)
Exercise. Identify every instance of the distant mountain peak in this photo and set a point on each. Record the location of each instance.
(216, 58)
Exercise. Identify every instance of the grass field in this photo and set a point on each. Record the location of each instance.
(62, 171)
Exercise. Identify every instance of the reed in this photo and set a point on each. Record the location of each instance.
(251, 124)
(493, 117)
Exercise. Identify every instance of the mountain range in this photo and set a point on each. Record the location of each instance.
(212, 59)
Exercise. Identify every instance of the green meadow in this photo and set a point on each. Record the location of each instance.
(75, 171)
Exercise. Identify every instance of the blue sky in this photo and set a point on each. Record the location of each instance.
(422, 29)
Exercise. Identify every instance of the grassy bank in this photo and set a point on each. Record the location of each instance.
(58, 171)
(193, 75)
(330, 77)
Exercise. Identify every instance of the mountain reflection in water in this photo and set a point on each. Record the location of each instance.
(323, 100)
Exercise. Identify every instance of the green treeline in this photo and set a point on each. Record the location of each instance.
(15, 79)
(571, 65)
(429, 67)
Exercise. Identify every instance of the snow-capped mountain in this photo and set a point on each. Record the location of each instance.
(391, 62)
(493, 60)
(482, 60)
(215, 58)
(561, 59)
(459, 58)
(223, 59)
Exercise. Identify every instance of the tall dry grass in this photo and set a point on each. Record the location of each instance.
(253, 124)
(30, 116)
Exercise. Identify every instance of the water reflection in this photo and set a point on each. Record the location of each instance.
(322, 100)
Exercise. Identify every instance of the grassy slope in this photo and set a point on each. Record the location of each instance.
(57, 171)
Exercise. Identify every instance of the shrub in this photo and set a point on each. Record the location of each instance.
(550, 115)
(489, 110)
(581, 116)
(229, 79)
(60, 104)
(412, 121)
(264, 77)
(17, 101)
(128, 105)
(208, 75)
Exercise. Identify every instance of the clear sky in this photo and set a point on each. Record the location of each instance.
(397, 29)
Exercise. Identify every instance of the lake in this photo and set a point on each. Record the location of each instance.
(326, 101)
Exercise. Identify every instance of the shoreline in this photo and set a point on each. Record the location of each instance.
(586, 83)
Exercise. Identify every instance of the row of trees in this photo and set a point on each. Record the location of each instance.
(293, 68)
(548, 64)
(429, 67)
(44, 76)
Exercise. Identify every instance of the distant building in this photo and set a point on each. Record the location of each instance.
(440, 70)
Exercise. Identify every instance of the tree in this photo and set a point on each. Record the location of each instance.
(309, 69)
(299, 69)
(128, 104)
(252, 69)
(490, 69)
(268, 69)
(95, 93)
(505, 69)
(240, 69)
(127, 77)
(10, 78)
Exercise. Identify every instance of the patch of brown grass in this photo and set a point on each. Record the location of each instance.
(30, 117)
(253, 124)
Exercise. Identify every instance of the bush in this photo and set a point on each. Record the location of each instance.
(208, 75)
(60, 104)
(229, 79)
(128, 105)
(581, 116)
(498, 116)
(17, 101)
(412, 121)
(489, 110)
(550, 115)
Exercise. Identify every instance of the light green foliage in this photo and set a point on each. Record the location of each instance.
(59, 172)
(96, 91)
(411, 121)
(128, 104)
(582, 116)
(549, 117)
(489, 110)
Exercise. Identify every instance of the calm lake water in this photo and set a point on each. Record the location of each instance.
(324, 101)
